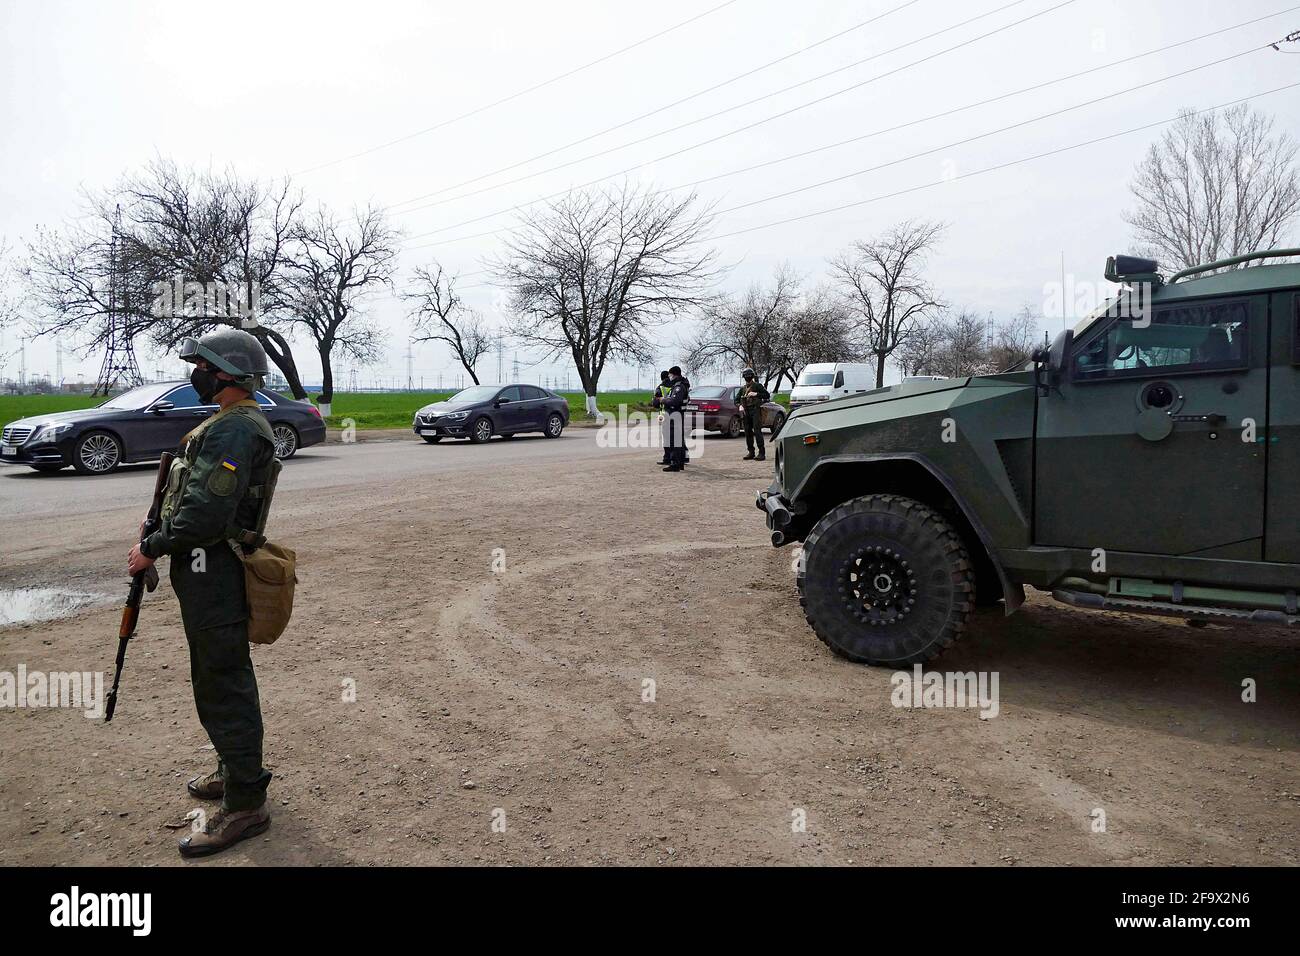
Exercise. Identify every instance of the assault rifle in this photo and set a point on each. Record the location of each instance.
(148, 578)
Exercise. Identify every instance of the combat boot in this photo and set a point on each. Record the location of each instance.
(749, 457)
(210, 786)
(224, 829)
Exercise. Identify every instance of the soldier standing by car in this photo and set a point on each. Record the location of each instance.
(215, 492)
(661, 392)
(752, 397)
(679, 393)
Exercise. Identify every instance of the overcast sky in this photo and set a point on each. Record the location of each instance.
(269, 88)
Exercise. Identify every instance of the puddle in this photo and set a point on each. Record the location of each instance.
(26, 605)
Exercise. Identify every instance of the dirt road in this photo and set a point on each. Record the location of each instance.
(518, 698)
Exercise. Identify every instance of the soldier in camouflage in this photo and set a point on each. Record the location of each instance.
(214, 493)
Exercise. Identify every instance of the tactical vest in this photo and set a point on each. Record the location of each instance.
(261, 489)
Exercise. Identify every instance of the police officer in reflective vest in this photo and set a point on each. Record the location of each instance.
(215, 492)
(660, 394)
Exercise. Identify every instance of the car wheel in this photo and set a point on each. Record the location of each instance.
(886, 580)
(96, 453)
(554, 425)
(776, 424)
(481, 431)
(286, 440)
(48, 468)
(432, 439)
(734, 428)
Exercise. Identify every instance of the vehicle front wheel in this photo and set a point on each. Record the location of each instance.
(286, 441)
(96, 453)
(886, 580)
(554, 425)
(481, 431)
(432, 439)
(734, 428)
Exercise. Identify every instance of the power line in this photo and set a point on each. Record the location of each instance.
(524, 92)
(750, 102)
(840, 143)
(998, 166)
(994, 132)
(685, 99)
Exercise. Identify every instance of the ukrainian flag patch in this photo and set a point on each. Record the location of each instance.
(230, 464)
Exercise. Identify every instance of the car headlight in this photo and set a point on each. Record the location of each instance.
(51, 431)
(455, 416)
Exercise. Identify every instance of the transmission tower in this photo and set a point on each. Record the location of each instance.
(119, 357)
(514, 370)
(410, 377)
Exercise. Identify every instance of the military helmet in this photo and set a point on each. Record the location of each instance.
(747, 373)
(229, 350)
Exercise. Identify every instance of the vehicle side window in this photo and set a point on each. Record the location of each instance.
(183, 397)
(263, 398)
(735, 394)
(531, 392)
(1187, 337)
(510, 394)
(1295, 329)
(839, 380)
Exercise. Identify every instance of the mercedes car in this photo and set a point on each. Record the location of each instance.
(139, 425)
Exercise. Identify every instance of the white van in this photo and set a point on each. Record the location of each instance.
(822, 381)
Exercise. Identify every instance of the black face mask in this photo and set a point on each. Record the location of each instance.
(206, 383)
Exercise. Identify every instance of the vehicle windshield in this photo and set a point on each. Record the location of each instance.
(816, 378)
(140, 397)
(475, 393)
(709, 391)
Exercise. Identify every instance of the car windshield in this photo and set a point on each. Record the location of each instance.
(139, 397)
(816, 378)
(709, 391)
(475, 393)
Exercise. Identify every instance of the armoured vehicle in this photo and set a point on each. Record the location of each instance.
(1145, 462)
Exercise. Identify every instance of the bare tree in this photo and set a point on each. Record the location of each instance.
(593, 272)
(1215, 185)
(333, 267)
(440, 315)
(962, 345)
(156, 234)
(11, 293)
(818, 329)
(1014, 339)
(747, 331)
(883, 286)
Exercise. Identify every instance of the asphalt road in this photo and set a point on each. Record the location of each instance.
(26, 493)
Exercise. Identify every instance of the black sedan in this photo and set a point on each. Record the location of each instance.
(481, 411)
(140, 425)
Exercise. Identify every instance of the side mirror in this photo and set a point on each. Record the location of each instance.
(500, 401)
(1052, 359)
(159, 407)
(1059, 353)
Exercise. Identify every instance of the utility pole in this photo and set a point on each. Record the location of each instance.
(410, 356)
(119, 355)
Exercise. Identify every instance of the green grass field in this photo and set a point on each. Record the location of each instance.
(367, 409)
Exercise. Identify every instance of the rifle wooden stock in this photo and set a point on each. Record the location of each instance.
(131, 610)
